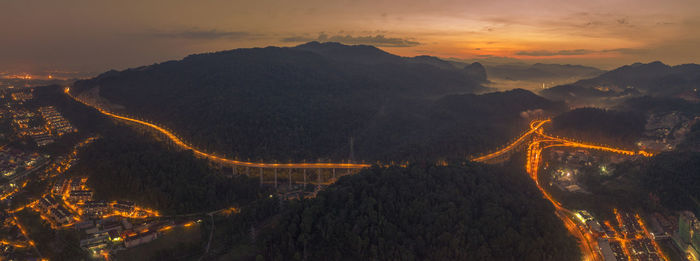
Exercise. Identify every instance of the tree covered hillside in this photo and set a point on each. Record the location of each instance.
(654, 79)
(310, 101)
(617, 128)
(471, 212)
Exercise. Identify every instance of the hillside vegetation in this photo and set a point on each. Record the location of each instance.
(471, 212)
(308, 102)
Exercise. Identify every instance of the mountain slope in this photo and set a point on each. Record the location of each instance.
(541, 72)
(471, 212)
(655, 79)
(300, 103)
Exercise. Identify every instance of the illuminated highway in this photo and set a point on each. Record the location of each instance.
(534, 127)
(535, 138)
(540, 141)
(177, 141)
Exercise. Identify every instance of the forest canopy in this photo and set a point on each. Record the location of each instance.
(472, 212)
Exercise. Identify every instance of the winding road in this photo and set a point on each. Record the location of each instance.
(177, 141)
(538, 141)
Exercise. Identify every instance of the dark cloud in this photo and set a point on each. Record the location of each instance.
(555, 53)
(198, 34)
(297, 39)
(581, 52)
(625, 51)
(377, 40)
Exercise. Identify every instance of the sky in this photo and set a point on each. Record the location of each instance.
(95, 36)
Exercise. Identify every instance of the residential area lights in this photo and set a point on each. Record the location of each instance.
(587, 242)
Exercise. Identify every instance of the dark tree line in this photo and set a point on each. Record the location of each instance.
(470, 212)
(126, 165)
(130, 163)
(618, 128)
(674, 177)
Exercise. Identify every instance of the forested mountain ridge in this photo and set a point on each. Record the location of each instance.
(655, 79)
(471, 212)
(541, 71)
(619, 128)
(308, 102)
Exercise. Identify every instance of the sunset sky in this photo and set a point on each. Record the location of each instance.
(95, 36)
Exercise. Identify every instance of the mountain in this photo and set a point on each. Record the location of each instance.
(455, 126)
(476, 71)
(363, 54)
(541, 72)
(307, 102)
(654, 79)
(471, 212)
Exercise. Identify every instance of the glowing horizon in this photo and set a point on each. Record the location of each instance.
(96, 36)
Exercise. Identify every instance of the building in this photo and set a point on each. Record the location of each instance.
(60, 215)
(96, 208)
(22, 96)
(591, 223)
(685, 225)
(140, 239)
(605, 248)
(47, 202)
(95, 243)
(76, 184)
(126, 207)
(80, 195)
(59, 187)
(687, 237)
(55, 121)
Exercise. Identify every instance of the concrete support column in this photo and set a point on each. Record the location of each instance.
(333, 174)
(247, 171)
(319, 177)
(261, 177)
(289, 177)
(275, 178)
(233, 170)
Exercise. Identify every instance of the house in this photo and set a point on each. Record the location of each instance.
(59, 187)
(124, 206)
(96, 208)
(76, 184)
(95, 243)
(140, 239)
(80, 195)
(60, 215)
(47, 202)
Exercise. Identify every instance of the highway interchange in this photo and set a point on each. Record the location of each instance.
(535, 139)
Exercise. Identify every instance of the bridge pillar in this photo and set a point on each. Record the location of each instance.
(319, 178)
(261, 177)
(333, 174)
(304, 187)
(289, 177)
(233, 170)
(247, 171)
(275, 178)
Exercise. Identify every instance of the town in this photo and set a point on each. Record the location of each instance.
(34, 186)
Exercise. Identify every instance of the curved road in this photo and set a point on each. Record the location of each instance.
(541, 141)
(177, 141)
(587, 245)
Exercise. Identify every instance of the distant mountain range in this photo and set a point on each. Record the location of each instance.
(307, 102)
(653, 79)
(541, 72)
